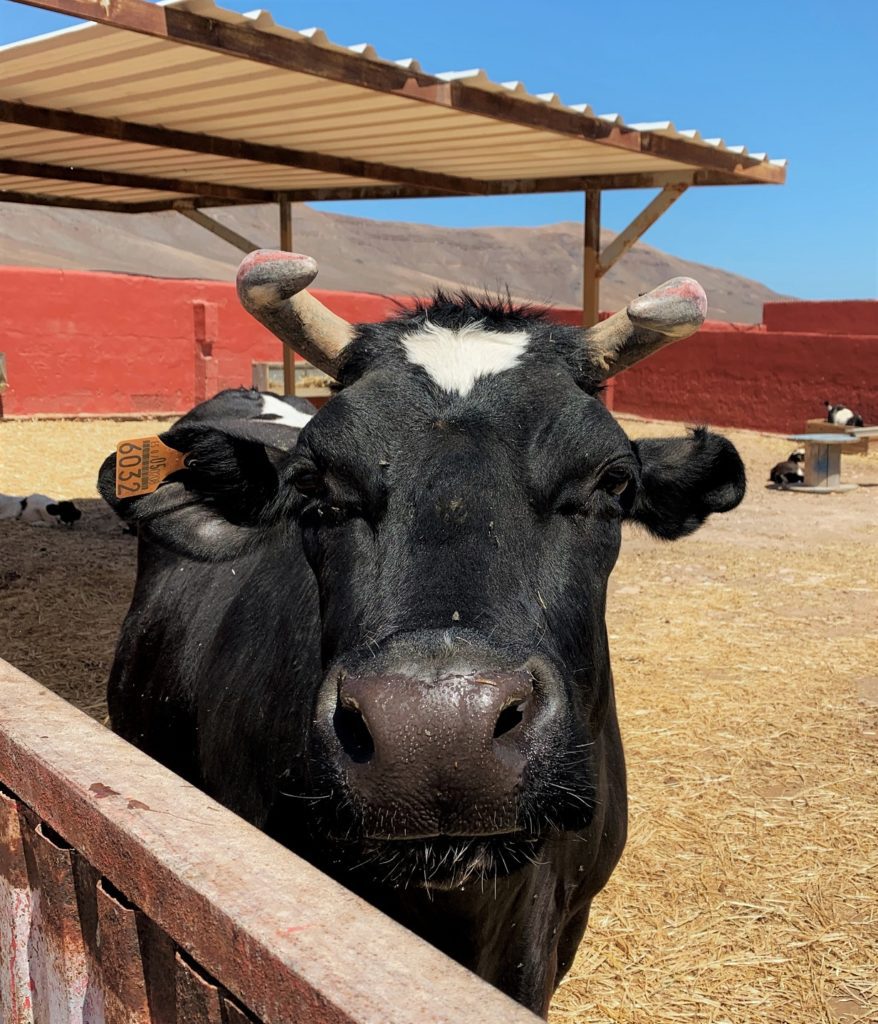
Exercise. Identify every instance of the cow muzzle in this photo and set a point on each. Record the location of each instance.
(424, 757)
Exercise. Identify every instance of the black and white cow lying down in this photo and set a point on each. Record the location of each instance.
(38, 510)
(841, 415)
(789, 472)
(381, 637)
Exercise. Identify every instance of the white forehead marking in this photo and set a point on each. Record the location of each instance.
(272, 406)
(456, 359)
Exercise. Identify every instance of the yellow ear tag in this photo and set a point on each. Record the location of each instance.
(142, 463)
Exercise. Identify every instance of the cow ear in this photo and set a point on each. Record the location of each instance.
(684, 480)
(214, 508)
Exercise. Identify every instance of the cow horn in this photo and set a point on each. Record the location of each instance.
(271, 287)
(674, 310)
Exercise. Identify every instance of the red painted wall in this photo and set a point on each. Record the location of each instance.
(751, 377)
(85, 343)
(80, 342)
(853, 316)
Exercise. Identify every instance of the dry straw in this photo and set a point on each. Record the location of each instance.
(748, 693)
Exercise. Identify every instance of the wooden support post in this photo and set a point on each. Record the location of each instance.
(286, 243)
(591, 276)
(591, 258)
(220, 230)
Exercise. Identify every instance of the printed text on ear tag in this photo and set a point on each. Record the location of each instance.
(142, 463)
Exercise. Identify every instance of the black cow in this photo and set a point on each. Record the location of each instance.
(381, 638)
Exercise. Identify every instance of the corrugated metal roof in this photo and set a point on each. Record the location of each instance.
(106, 73)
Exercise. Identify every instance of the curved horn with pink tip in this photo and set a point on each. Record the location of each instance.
(672, 311)
(271, 287)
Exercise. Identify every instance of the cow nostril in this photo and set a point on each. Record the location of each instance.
(510, 718)
(353, 734)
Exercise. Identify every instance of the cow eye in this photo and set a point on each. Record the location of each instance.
(615, 482)
(309, 482)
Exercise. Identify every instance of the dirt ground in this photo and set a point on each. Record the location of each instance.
(64, 592)
(745, 663)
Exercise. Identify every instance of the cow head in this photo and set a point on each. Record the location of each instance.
(460, 501)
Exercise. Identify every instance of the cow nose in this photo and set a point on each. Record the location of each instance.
(435, 756)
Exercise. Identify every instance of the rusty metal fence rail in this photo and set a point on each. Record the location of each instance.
(129, 897)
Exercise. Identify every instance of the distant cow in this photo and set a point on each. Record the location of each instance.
(842, 416)
(380, 635)
(39, 510)
(789, 472)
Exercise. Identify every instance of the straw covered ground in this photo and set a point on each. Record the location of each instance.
(748, 692)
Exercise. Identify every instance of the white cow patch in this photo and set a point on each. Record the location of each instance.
(10, 506)
(842, 416)
(457, 359)
(35, 511)
(272, 406)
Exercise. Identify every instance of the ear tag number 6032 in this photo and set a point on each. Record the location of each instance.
(142, 463)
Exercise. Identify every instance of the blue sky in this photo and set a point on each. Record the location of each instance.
(795, 78)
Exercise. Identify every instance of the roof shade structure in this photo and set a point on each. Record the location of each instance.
(186, 105)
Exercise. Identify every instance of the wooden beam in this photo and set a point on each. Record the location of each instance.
(528, 186)
(245, 41)
(606, 182)
(122, 179)
(641, 223)
(236, 149)
(75, 203)
(318, 195)
(159, 205)
(314, 195)
(523, 186)
(590, 257)
(286, 244)
(220, 230)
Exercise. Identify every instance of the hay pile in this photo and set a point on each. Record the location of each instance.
(748, 693)
(749, 888)
(61, 457)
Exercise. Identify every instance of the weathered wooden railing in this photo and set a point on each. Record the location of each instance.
(129, 897)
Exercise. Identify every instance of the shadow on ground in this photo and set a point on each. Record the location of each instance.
(63, 594)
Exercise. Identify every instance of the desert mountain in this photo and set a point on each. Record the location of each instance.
(356, 254)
